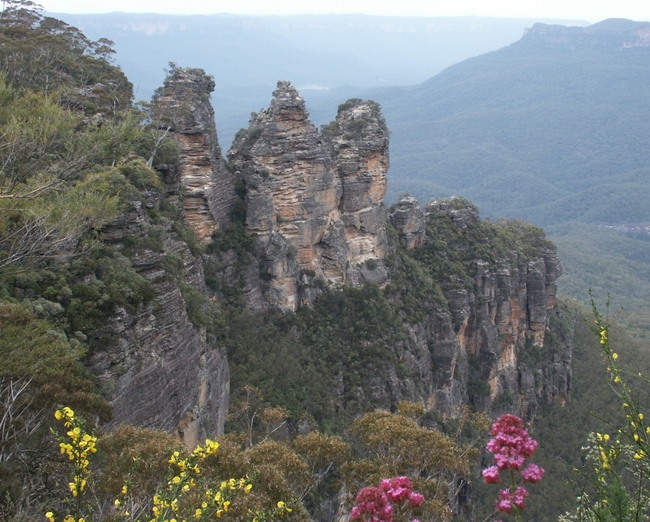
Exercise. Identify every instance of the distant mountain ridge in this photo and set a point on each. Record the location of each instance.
(551, 128)
(247, 55)
(555, 129)
(617, 33)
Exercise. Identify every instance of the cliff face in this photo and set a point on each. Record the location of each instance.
(183, 108)
(490, 347)
(159, 370)
(316, 218)
(314, 205)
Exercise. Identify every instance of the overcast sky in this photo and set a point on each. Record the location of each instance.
(590, 10)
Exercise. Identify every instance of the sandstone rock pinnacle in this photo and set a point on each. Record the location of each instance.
(314, 200)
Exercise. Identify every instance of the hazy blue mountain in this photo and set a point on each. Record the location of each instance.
(318, 53)
(553, 128)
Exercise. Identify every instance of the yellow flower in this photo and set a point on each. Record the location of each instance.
(248, 488)
(49, 515)
(125, 488)
(117, 502)
(614, 356)
(58, 415)
(640, 416)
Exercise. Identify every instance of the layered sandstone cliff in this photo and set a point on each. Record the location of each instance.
(158, 369)
(315, 211)
(182, 107)
(314, 202)
(491, 346)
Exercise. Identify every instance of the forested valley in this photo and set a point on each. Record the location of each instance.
(184, 336)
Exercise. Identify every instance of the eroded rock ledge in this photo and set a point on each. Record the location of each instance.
(491, 347)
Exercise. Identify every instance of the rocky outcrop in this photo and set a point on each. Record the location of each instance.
(361, 147)
(409, 221)
(158, 369)
(315, 213)
(490, 347)
(314, 202)
(182, 107)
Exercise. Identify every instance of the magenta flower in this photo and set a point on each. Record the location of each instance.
(491, 475)
(532, 473)
(378, 504)
(504, 503)
(520, 496)
(511, 445)
(415, 499)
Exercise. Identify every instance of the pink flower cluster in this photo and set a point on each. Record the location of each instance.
(378, 504)
(511, 443)
(507, 499)
(511, 446)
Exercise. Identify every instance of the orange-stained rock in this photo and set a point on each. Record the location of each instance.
(182, 107)
(317, 199)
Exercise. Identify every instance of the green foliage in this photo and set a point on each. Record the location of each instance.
(45, 54)
(195, 304)
(230, 240)
(609, 263)
(35, 349)
(302, 360)
(398, 445)
(620, 458)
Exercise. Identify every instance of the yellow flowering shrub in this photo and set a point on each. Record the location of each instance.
(188, 493)
(78, 445)
(618, 471)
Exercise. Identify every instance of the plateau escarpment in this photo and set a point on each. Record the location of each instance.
(425, 304)
(158, 367)
(488, 334)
